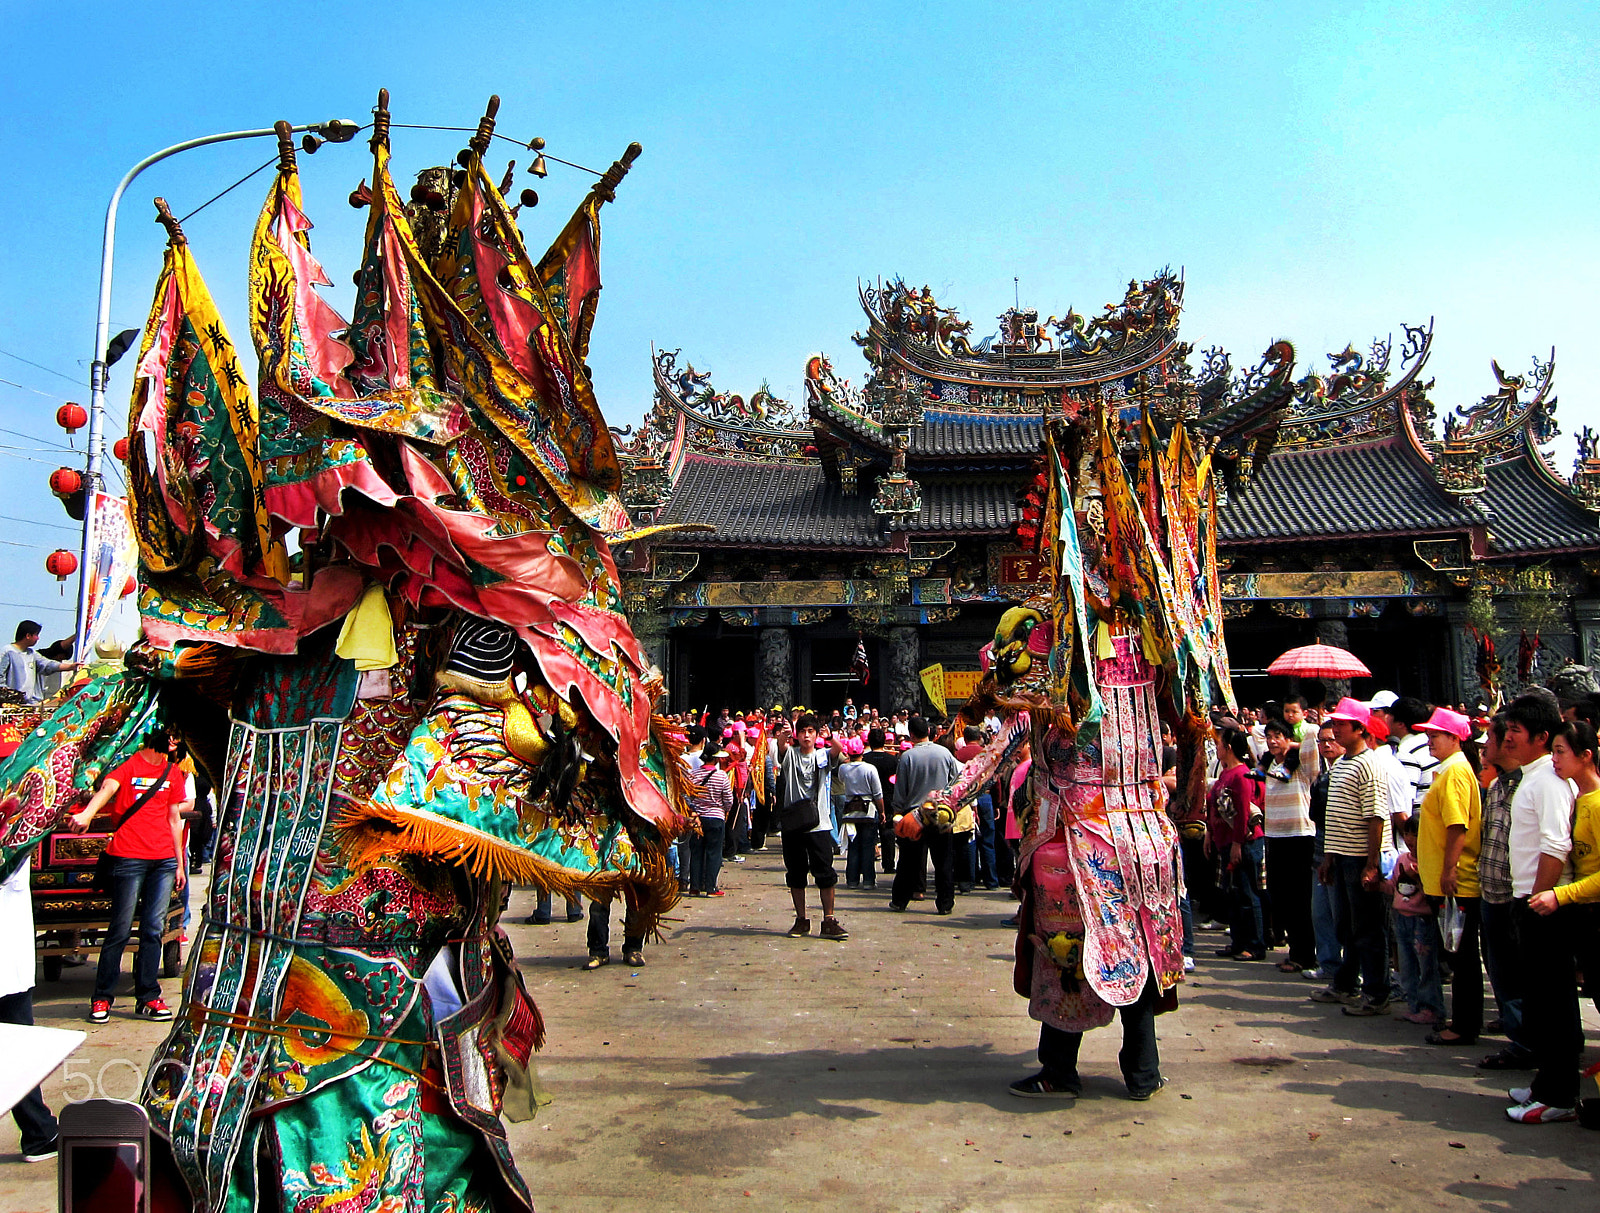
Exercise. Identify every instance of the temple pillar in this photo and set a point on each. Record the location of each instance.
(774, 668)
(905, 688)
(1334, 632)
(1461, 676)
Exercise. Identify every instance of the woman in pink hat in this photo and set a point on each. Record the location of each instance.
(1448, 826)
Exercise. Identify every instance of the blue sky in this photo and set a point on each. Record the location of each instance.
(1319, 172)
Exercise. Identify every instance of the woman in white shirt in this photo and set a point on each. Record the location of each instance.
(1290, 768)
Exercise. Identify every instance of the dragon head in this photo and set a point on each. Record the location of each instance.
(1021, 639)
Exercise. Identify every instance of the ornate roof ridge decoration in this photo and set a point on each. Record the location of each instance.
(1363, 396)
(1241, 414)
(690, 416)
(1585, 484)
(913, 329)
(1503, 425)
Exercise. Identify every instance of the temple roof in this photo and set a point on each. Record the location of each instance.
(796, 505)
(938, 438)
(1377, 488)
(1532, 514)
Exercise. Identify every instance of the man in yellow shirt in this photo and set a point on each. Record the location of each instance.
(1449, 821)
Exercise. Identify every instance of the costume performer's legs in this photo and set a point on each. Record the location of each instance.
(1139, 1057)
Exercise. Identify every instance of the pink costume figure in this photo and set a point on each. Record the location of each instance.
(1083, 676)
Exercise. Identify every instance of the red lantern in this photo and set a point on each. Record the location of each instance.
(64, 482)
(61, 564)
(72, 417)
(131, 588)
(119, 448)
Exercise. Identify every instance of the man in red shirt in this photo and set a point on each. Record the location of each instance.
(145, 867)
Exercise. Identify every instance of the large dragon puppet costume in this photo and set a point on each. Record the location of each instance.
(1125, 632)
(379, 603)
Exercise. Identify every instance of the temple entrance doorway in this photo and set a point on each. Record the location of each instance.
(832, 681)
(714, 668)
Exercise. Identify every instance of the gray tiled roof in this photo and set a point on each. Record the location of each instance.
(797, 505)
(1370, 489)
(1531, 514)
(948, 433)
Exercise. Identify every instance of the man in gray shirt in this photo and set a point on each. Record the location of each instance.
(21, 668)
(924, 769)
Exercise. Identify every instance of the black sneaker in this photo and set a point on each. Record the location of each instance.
(44, 1153)
(1040, 1087)
(802, 926)
(831, 929)
(595, 962)
(634, 959)
(1141, 1096)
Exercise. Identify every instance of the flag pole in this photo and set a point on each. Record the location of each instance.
(334, 131)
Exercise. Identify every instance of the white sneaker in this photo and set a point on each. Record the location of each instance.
(1188, 964)
(1532, 1113)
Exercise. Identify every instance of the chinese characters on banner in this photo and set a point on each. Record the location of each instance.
(1019, 569)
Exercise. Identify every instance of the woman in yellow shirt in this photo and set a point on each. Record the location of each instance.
(1577, 903)
(1447, 861)
(1573, 755)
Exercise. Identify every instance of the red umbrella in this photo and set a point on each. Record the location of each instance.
(1320, 661)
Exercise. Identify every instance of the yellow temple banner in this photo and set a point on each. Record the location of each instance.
(959, 684)
(933, 683)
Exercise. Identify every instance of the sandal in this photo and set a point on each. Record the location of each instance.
(1289, 966)
(1439, 1038)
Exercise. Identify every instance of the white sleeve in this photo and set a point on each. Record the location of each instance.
(1554, 805)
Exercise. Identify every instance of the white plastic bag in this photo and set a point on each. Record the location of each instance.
(1452, 924)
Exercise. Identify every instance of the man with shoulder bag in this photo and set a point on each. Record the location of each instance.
(148, 795)
(805, 821)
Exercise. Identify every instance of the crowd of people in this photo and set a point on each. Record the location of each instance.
(1396, 849)
(1407, 858)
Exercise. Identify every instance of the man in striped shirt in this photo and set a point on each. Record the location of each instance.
(1357, 813)
(1406, 716)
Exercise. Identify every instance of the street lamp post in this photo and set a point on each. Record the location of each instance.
(334, 131)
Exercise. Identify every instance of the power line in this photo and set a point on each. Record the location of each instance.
(24, 387)
(64, 446)
(41, 366)
(26, 606)
(229, 190)
(57, 526)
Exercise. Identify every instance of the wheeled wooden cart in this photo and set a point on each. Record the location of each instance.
(71, 919)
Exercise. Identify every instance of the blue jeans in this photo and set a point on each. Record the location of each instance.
(705, 855)
(985, 859)
(1503, 958)
(143, 885)
(1325, 922)
(542, 911)
(858, 864)
(1247, 932)
(1418, 945)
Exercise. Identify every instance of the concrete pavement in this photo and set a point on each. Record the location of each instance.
(741, 1068)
